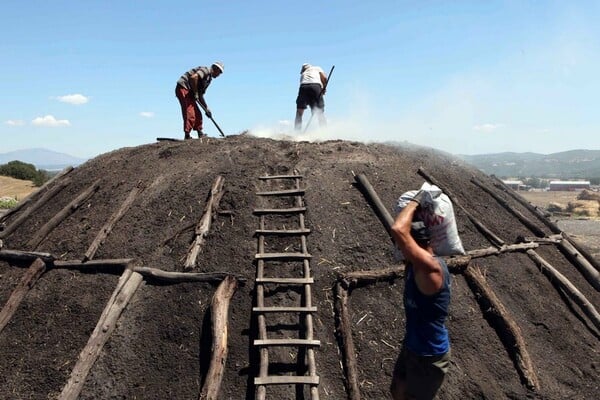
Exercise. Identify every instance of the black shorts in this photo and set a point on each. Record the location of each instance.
(309, 95)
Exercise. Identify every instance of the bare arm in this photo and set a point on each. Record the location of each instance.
(194, 82)
(323, 80)
(428, 271)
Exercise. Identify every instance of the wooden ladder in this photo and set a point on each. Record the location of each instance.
(293, 214)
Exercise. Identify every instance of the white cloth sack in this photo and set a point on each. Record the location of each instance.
(437, 213)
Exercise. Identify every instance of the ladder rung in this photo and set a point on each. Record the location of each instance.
(282, 256)
(300, 281)
(280, 177)
(293, 210)
(282, 232)
(312, 309)
(286, 380)
(286, 192)
(287, 342)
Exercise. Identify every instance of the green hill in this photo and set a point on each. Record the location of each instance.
(582, 164)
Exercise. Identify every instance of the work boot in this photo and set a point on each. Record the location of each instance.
(201, 134)
(187, 136)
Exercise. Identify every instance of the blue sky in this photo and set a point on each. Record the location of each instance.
(466, 77)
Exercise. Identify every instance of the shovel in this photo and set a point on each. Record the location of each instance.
(320, 94)
(211, 118)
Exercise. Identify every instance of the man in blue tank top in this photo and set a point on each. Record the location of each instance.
(425, 355)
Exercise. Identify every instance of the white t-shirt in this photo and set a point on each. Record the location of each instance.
(311, 75)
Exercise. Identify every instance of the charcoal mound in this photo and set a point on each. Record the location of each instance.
(161, 345)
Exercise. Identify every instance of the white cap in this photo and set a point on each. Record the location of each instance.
(218, 65)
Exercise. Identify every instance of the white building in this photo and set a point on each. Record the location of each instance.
(566, 186)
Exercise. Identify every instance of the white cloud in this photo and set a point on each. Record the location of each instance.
(50, 121)
(487, 127)
(147, 114)
(15, 122)
(76, 99)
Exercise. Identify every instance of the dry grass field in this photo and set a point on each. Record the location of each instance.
(542, 199)
(585, 230)
(15, 188)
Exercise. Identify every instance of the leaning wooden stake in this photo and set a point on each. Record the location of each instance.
(373, 198)
(128, 284)
(542, 217)
(107, 228)
(25, 256)
(29, 279)
(45, 198)
(570, 289)
(524, 220)
(64, 213)
(345, 332)
(591, 274)
(216, 192)
(219, 313)
(355, 278)
(41, 190)
(177, 277)
(510, 331)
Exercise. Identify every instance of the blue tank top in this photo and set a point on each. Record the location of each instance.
(426, 333)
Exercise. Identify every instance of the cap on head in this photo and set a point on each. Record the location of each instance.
(218, 65)
(420, 232)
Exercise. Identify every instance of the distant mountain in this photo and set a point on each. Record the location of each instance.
(583, 164)
(42, 158)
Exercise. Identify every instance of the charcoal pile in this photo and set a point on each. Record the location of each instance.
(109, 277)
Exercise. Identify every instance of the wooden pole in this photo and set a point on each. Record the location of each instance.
(566, 285)
(372, 197)
(219, 319)
(109, 263)
(37, 268)
(591, 274)
(542, 217)
(107, 228)
(534, 210)
(64, 213)
(177, 277)
(203, 227)
(128, 284)
(508, 330)
(456, 264)
(580, 261)
(30, 197)
(344, 330)
(352, 279)
(46, 197)
(25, 256)
(524, 220)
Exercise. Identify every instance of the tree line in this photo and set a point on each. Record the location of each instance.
(28, 172)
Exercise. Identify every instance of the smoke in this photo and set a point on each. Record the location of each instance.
(354, 129)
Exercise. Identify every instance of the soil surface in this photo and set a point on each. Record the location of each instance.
(160, 348)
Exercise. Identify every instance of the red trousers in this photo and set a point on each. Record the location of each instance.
(192, 117)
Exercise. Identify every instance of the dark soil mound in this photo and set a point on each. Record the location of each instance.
(161, 346)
